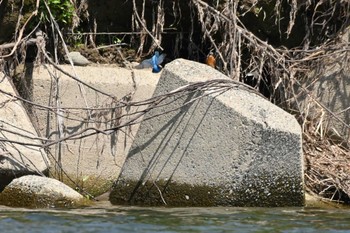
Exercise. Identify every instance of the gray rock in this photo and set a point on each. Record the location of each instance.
(328, 85)
(39, 192)
(77, 59)
(95, 160)
(232, 149)
(20, 151)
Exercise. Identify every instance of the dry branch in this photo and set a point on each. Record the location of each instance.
(20, 33)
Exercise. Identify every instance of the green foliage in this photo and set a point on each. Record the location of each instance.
(61, 10)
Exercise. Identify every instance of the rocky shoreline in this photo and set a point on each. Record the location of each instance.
(271, 136)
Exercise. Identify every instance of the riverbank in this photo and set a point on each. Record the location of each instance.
(87, 182)
(325, 157)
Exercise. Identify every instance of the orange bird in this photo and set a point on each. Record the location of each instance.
(211, 60)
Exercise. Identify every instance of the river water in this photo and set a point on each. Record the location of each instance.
(107, 218)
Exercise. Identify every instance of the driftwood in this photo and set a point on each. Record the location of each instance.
(29, 42)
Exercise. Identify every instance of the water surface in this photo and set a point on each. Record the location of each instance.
(107, 218)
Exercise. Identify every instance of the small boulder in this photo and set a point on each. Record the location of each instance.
(20, 152)
(77, 59)
(39, 192)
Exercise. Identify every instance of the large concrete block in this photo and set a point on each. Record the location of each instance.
(93, 162)
(231, 149)
(20, 145)
(323, 96)
(329, 86)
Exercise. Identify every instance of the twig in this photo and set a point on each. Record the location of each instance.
(145, 27)
(21, 31)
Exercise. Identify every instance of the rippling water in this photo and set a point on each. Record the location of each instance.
(106, 218)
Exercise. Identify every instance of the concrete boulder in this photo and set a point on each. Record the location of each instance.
(20, 150)
(39, 192)
(329, 86)
(229, 149)
(323, 96)
(93, 162)
(77, 59)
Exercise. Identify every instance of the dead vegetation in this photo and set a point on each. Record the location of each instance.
(280, 70)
